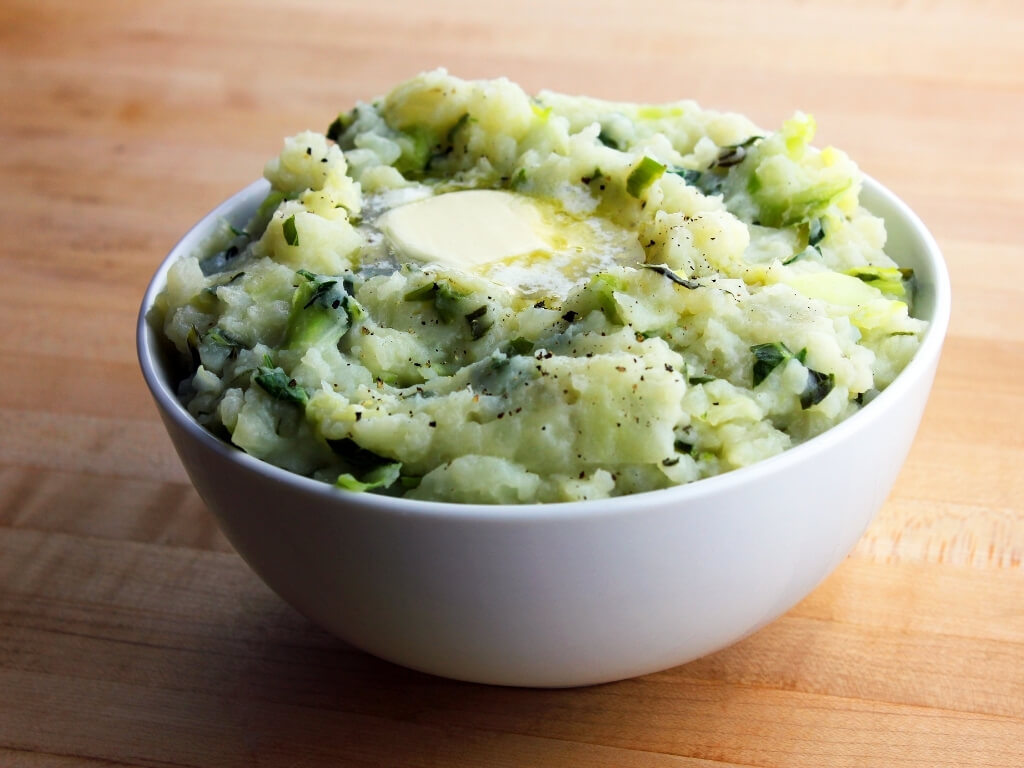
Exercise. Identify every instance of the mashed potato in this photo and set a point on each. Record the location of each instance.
(465, 293)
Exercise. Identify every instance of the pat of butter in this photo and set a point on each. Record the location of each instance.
(468, 228)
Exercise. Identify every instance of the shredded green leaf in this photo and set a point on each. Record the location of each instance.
(368, 470)
(279, 385)
(768, 357)
(340, 125)
(890, 280)
(689, 175)
(818, 386)
(445, 298)
(383, 476)
(192, 342)
(815, 233)
(734, 154)
(520, 346)
(478, 321)
(221, 338)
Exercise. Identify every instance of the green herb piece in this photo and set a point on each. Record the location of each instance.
(689, 175)
(890, 280)
(818, 386)
(459, 124)
(479, 323)
(643, 175)
(368, 470)
(383, 476)
(734, 154)
(815, 234)
(319, 292)
(340, 125)
(799, 255)
(422, 293)
(278, 384)
(519, 179)
(442, 149)
(192, 344)
(446, 299)
(520, 346)
(683, 447)
(661, 269)
(604, 286)
(258, 224)
(695, 380)
(291, 235)
(417, 144)
(605, 138)
(273, 199)
(221, 338)
(768, 357)
(712, 181)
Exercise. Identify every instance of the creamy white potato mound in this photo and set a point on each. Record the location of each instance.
(464, 293)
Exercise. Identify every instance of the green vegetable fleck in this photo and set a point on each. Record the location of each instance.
(689, 175)
(478, 321)
(818, 386)
(291, 235)
(815, 233)
(446, 299)
(278, 384)
(890, 280)
(340, 125)
(383, 476)
(643, 175)
(768, 357)
(367, 470)
(520, 346)
(734, 154)
(605, 138)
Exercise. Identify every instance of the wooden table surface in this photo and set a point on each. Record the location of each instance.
(131, 634)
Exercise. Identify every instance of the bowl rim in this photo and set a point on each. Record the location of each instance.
(676, 496)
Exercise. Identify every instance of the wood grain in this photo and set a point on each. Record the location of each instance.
(130, 634)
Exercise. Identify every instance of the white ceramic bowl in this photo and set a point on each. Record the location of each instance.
(563, 594)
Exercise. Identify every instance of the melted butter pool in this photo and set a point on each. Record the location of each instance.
(531, 245)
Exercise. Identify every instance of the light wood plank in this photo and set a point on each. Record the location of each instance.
(129, 632)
